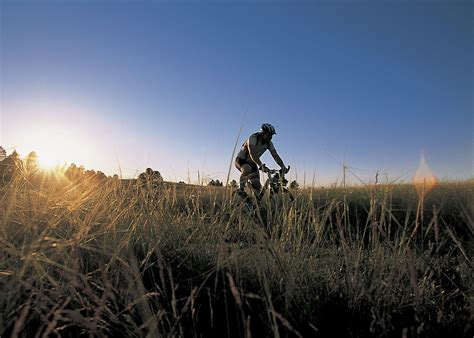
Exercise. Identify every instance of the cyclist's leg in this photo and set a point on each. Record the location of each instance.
(245, 176)
(245, 170)
(250, 172)
(255, 182)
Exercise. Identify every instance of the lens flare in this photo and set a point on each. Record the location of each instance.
(424, 180)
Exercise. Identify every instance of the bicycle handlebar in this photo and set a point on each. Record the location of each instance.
(274, 171)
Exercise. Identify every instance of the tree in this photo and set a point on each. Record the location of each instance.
(90, 173)
(150, 178)
(294, 185)
(156, 176)
(100, 176)
(3, 154)
(74, 172)
(31, 163)
(10, 166)
(233, 184)
(215, 183)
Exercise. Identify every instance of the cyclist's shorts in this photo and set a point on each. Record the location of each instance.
(239, 163)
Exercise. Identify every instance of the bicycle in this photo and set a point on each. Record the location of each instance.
(274, 194)
(276, 183)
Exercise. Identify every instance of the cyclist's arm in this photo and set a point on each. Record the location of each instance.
(276, 157)
(252, 144)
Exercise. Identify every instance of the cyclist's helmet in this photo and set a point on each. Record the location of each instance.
(268, 128)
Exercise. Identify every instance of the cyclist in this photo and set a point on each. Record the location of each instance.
(248, 159)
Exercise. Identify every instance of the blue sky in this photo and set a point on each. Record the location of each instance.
(168, 85)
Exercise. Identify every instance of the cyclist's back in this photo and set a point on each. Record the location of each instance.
(256, 140)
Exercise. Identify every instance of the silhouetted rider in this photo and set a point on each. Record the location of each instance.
(248, 159)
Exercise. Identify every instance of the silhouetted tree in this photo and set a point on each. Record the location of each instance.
(74, 172)
(31, 163)
(90, 173)
(31, 168)
(215, 183)
(233, 184)
(150, 178)
(3, 154)
(100, 176)
(10, 166)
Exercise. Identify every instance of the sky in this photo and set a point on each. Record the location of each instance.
(119, 86)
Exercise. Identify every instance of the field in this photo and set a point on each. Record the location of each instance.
(108, 258)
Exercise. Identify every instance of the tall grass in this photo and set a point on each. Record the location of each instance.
(89, 258)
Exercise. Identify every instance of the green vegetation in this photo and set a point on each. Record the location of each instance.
(106, 257)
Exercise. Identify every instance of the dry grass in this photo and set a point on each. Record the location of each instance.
(88, 258)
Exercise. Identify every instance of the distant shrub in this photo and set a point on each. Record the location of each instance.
(3, 154)
(150, 178)
(215, 183)
(10, 166)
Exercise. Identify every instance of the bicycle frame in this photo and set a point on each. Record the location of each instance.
(275, 182)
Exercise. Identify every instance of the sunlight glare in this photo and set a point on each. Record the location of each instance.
(51, 156)
(57, 146)
(424, 180)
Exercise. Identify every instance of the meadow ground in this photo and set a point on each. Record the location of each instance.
(89, 258)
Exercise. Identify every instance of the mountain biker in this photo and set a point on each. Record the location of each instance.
(248, 159)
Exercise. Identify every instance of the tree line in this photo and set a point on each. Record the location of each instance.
(12, 166)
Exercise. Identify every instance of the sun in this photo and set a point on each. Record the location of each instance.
(58, 146)
(60, 132)
(50, 156)
(54, 147)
